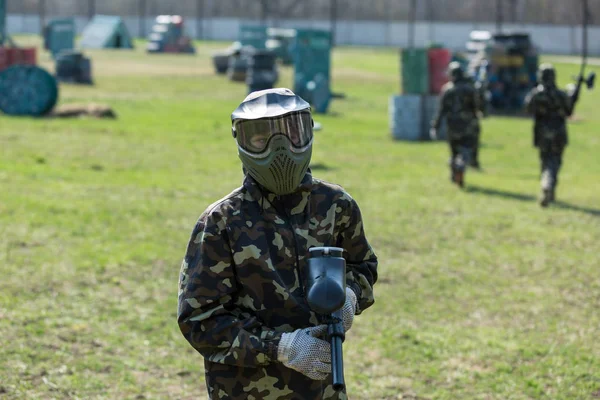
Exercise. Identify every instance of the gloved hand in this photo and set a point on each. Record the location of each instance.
(349, 309)
(433, 134)
(302, 351)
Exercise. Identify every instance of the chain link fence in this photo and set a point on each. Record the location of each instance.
(562, 12)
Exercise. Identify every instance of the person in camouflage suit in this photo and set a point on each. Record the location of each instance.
(242, 296)
(459, 104)
(551, 107)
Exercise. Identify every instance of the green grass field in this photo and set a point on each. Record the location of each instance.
(482, 294)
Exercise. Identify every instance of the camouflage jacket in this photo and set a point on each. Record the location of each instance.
(242, 283)
(551, 107)
(459, 104)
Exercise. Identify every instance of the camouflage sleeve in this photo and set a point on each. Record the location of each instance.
(530, 102)
(361, 261)
(568, 103)
(207, 314)
(442, 111)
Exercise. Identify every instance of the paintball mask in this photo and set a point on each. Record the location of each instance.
(456, 71)
(274, 133)
(547, 75)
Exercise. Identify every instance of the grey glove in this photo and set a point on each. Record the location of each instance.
(349, 309)
(302, 351)
(433, 134)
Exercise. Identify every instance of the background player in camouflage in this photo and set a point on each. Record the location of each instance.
(242, 298)
(459, 104)
(551, 107)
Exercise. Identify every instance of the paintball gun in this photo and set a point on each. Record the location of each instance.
(326, 294)
(581, 79)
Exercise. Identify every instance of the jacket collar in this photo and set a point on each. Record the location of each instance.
(290, 204)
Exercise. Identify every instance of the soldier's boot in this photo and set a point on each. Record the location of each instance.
(460, 178)
(452, 170)
(546, 197)
(460, 167)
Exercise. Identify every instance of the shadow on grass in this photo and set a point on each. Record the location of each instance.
(566, 206)
(500, 193)
(529, 198)
(320, 167)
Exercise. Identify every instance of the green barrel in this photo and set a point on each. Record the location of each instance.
(415, 71)
(27, 90)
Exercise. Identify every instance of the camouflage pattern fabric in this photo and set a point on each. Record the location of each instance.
(459, 104)
(242, 283)
(461, 153)
(551, 107)
(551, 162)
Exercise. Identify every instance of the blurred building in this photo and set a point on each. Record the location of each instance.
(553, 24)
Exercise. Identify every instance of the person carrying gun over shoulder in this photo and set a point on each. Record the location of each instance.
(550, 107)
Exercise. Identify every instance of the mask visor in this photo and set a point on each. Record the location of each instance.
(253, 135)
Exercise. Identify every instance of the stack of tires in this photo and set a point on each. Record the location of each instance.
(73, 67)
(237, 66)
(262, 70)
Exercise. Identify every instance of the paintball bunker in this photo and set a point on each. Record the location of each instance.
(25, 89)
(262, 70)
(167, 36)
(311, 49)
(508, 65)
(423, 76)
(59, 35)
(106, 32)
(73, 67)
(254, 36)
(280, 42)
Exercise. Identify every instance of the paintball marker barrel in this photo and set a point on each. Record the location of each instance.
(326, 294)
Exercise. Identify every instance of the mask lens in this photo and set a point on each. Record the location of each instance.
(254, 135)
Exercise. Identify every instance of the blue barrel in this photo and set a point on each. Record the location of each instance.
(27, 90)
(406, 117)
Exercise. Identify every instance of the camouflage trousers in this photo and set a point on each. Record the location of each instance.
(461, 152)
(551, 161)
(272, 382)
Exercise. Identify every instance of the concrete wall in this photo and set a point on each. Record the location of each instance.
(551, 39)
